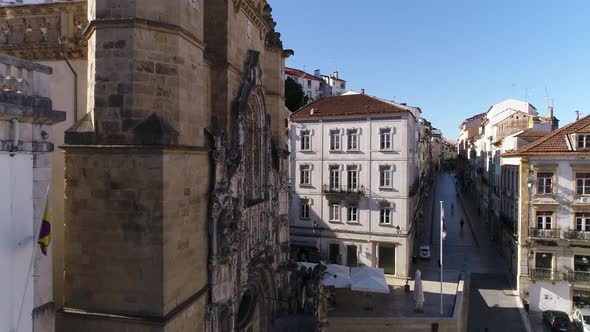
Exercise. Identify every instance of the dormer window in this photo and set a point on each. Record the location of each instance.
(583, 141)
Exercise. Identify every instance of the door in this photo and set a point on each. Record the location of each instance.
(387, 258)
(334, 253)
(351, 256)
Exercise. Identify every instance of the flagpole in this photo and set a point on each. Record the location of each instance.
(35, 238)
(441, 255)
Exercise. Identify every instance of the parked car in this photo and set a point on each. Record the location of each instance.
(582, 320)
(425, 251)
(558, 321)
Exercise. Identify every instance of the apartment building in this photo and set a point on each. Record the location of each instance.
(554, 218)
(354, 174)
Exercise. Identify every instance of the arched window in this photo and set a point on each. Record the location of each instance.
(256, 147)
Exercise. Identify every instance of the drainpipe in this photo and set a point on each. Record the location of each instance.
(15, 136)
(62, 52)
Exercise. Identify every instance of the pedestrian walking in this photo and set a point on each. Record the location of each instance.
(462, 222)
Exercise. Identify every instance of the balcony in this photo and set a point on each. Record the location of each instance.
(576, 235)
(544, 233)
(545, 274)
(344, 190)
(581, 277)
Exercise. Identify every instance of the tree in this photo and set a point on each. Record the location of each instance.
(295, 98)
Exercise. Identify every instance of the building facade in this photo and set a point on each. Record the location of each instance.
(313, 86)
(170, 228)
(26, 147)
(354, 174)
(554, 205)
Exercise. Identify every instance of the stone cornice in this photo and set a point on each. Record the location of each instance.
(144, 24)
(265, 24)
(45, 51)
(43, 8)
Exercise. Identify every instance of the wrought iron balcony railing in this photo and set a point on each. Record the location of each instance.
(576, 235)
(342, 189)
(544, 233)
(579, 277)
(545, 274)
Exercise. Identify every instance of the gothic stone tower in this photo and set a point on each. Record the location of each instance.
(175, 210)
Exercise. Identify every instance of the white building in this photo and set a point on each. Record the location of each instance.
(354, 174)
(337, 86)
(312, 86)
(554, 218)
(26, 116)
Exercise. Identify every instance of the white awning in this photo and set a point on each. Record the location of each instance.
(368, 279)
(342, 274)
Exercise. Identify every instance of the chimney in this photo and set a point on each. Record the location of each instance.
(362, 91)
(335, 75)
(317, 73)
(577, 115)
(550, 113)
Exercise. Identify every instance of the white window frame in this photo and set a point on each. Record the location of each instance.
(334, 180)
(385, 215)
(386, 139)
(304, 208)
(582, 222)
(349, 172)
(544, 219)
(335, 140)
(386, 176)
(543, 182)
(334, 211)
(352, 214)
(305, 140)
(352, 136)
(585, 184)
(584, 140)
(304, 175)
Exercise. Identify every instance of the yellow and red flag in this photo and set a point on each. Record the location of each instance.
(45, 232)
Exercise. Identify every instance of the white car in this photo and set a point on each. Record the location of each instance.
(582, 319)
(425, 251)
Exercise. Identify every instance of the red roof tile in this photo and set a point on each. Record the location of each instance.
(300, 73)
(358, 104)
(533, 133)
(555, 141)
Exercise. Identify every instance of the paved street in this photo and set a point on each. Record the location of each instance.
(493, 305)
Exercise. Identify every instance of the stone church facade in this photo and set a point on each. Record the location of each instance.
(175, 203)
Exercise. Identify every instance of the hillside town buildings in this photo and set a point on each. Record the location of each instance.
(317, 85)
(355, 180)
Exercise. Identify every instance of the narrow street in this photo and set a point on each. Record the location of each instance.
(493, 304)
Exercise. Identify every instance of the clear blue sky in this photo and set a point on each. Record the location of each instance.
(451, 58)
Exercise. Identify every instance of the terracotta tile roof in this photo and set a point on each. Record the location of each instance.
(358, 104)
(300, 73)
(555, 141)
(533, 133)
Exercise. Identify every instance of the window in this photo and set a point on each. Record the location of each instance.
(385, 216)
(544, 220)
(334, 177)
(309, 83)
(583, 183)
(305, 140)
(304, 175)
(385, 177)
(385, 139)
(304, 209)
(353, 178)
(334, 211)
(352, 213)
(334, 140)
(583, 141)
(342, 85)
(583, 222)
(544, 183)
(353, 139)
